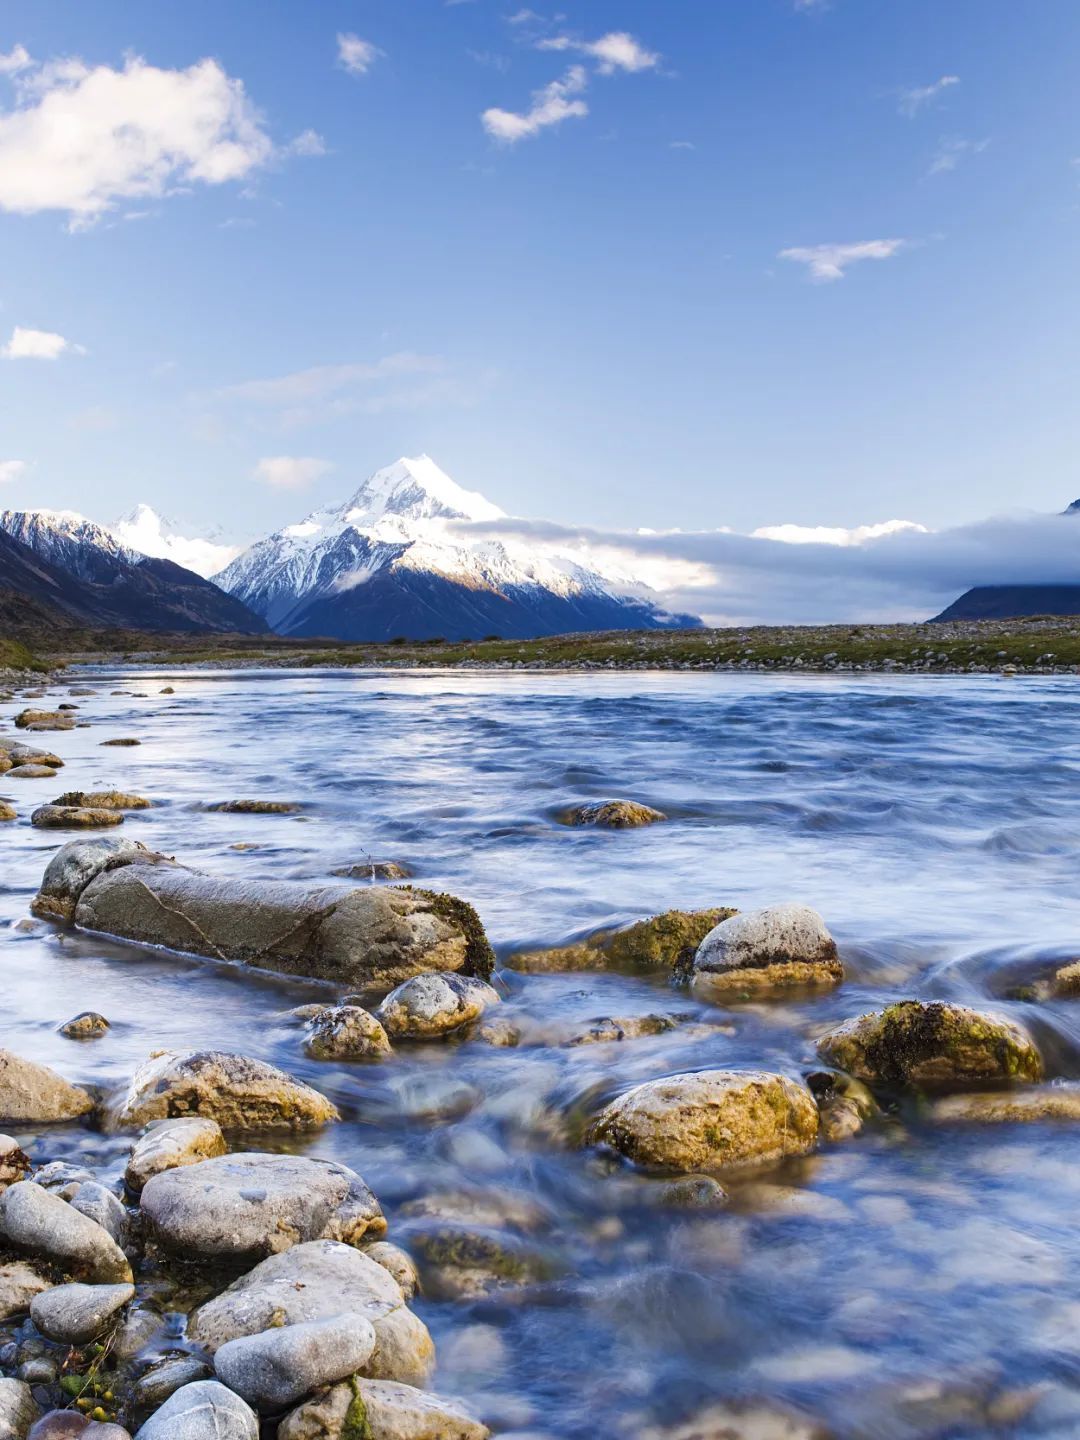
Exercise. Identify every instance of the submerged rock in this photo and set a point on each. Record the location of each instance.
(238, 1092)
(281, 1365)
(1010, 1107)
(32, 1219)
(17, 1409)
(77, 1314)
(34, 1092)
(170, 1144)
(467, 1262)
(381, 1410)
(204, 1410)
(931, 1043)
(429, 1006)
(346, 1032)
(607, 1031)
(762, 950)
(318, 1281)
(359, 936)
(739, 1420)
(709, 1119)
(612, 815)
(102, 800)
(662, 942)
(256, 807)
(127, 740)
(87, 1026)
(845, 1104)
(251, 1205)
(374, 870)
(32, 770)
(72, 817)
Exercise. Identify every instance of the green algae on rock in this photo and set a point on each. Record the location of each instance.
(240, 1093)
(662, 942)
(931, 1043)
(709, 1119)
(256, 807)
(611, 815)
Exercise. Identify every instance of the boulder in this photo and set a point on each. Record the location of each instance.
(429, 1006)
(74, 866)
(17, 1409)
(204, 1410)
(19, 1283)
(317, 1281)
(33, 1219)
(238, 1092)
(662, 942)
(250, 1205)
(256, 807)
(612, 815)
(20, 754)
(931, 1043)
(44, 720)
(77, 1314)
(87, 1026)
(71, 817)
(32, 770)
(14, 1161)
(373, 870)
(381, 1410)
(281, 1365)
(169, 1144)
(709, 1119)
(102, 800)
(346, 1032)
(349, 935)
(1009, 1107)
(33, 1092)
(467, 1262)
(762, 950)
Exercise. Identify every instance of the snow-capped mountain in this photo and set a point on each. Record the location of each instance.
(145, 531)
(391, 561)
(109, 583)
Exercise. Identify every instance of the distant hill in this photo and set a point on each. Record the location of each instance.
(58, 569)
(1012, 602)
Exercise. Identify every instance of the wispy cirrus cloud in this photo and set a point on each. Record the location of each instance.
(26, 344)
(951, 151)
(826, 263)
(916, 97)
(355, 55)
(556, 102)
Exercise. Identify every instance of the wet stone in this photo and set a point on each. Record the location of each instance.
(33, 1092)
(77, 1314)
(256, 807)
(32, 1219)
(8, 812)
(758, 951)
(102, 800)
(374, 870)
(429, 1006)
(204, 1410)
(170, 1144)
(281, 1365)
(346, 1032)
(70, 817)
(155, 1385)
(1010, 1107)
(14, 1161)
(382, 1410)
(240, 1093)
(87, 1026)
(17, 1409)
(399, 1263)
(612, 815)
(661, 942)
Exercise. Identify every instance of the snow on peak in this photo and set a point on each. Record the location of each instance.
(416, 489)
(144, 530)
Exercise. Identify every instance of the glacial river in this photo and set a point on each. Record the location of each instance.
(914, 1281)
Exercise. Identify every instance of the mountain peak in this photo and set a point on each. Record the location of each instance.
(415, 488)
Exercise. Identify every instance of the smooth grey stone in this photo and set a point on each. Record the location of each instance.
(76, 1314)
(17, 1409)
(204, 1410)
(276, 1367)
(155, 1386)
(32, 1219)
(102, 1206)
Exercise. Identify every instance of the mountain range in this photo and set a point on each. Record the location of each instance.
(395, 559)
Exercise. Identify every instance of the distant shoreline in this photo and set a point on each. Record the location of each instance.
(1042, 645)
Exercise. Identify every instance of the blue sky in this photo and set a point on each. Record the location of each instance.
(594, 322)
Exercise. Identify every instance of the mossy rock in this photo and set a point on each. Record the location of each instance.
(102, 800)
(662, 942)
(256, 807)
(479, 956)
(611, 815)
(459, 1262)
(931, 1044)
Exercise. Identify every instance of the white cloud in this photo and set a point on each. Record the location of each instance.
(308, 142)
(895, 570)
(551, 106)
(17, 58)
(290, 472)
(523, 17)
(915, 98)
(80, 138)
(951, 151)
(834, 534)
(829, 262)
(681, 145)
(618, 50)
(37, 345)
(11, 470)
(355, 55)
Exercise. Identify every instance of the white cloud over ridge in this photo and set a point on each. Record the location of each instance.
(82, 138)
(550, 106)
(28, 344)
(826, 263)
(895, 570)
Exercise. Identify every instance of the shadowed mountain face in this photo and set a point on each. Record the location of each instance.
(1011, 602)
(81, 575)
(399, 559)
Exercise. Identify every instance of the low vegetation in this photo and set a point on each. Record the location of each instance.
(1040, 644)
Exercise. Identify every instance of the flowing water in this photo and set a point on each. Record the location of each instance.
(914, 1281)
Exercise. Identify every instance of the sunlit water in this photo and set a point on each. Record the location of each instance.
(930, 1276)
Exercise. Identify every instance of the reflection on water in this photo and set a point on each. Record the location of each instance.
(912, 1282)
